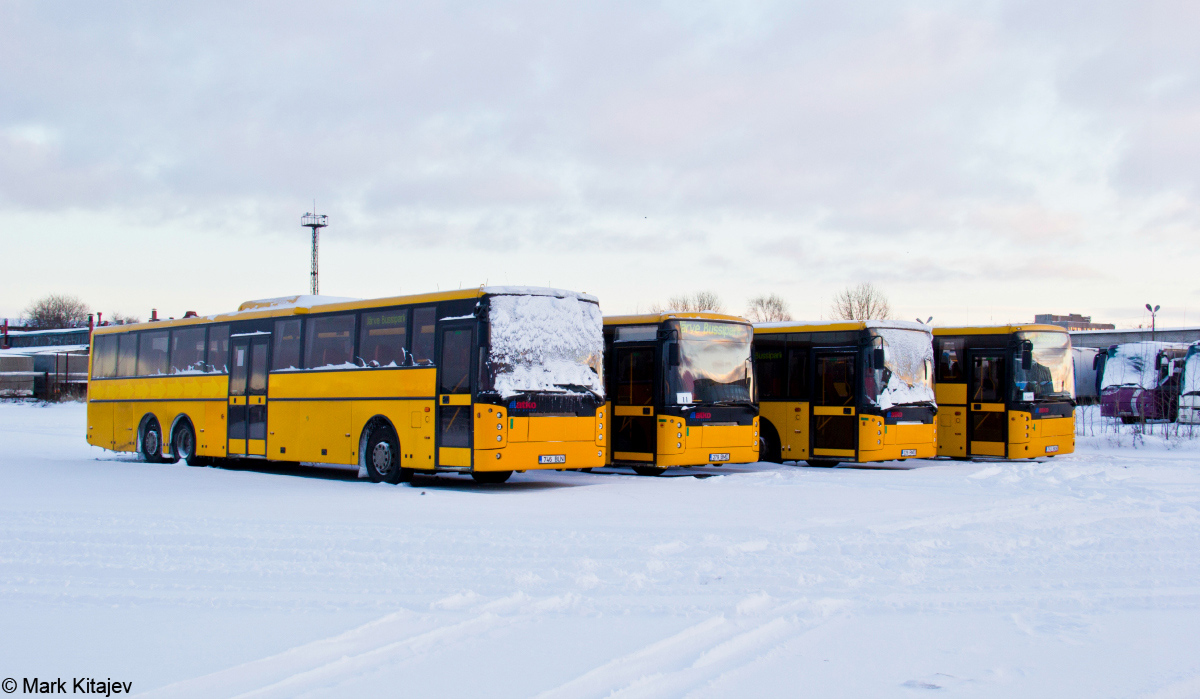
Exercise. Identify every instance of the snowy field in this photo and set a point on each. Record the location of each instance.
(1074, 577)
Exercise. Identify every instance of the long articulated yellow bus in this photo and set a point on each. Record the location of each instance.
(845, 391)
(1006, 391)
(682, 391)
(486, 381)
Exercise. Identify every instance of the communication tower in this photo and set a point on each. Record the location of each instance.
(316, 222)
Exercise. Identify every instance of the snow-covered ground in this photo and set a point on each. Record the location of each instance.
(1074, 577)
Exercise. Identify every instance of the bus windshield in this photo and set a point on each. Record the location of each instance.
(1051, 374)
(544, 344)
(714, 363)
(906, 377)
(1191, 372)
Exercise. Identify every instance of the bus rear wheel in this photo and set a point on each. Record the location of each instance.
(649, 470)
(491, 476)
(183, 444)
(152, 441)
(383, 456)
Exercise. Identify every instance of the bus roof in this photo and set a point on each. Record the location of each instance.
(655, 318)
(302, 304)
(998, 329)
(792, 326)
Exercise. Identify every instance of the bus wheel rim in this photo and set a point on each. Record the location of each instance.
(152, 441)
(381, 457)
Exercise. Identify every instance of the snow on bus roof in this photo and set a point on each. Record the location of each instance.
(297, 301)
(898, 324)
(538, 291)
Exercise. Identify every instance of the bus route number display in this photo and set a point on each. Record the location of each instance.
(704, 330)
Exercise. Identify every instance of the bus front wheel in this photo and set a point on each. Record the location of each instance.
(491, 476)
(383, 456)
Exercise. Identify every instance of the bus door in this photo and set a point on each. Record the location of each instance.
(633, 407)
(454, 393)
(834, 423)
(247, 429)
(988, 433)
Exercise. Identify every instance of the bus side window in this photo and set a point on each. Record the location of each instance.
(771, 369)
(187, 350)
(949, 359)
(328, 341)
(127, 354)
(382, 338)
(424, 324)
(218, 349)
(287, 345)
(797, 374)
(104, 364)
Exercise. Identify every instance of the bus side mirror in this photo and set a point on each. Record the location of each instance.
(1026, 359)
(1096, 362)
(673, 354)
(878, 358)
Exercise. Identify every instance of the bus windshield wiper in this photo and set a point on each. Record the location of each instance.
(579, 388)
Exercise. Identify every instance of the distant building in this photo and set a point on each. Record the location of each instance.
(1073, 321)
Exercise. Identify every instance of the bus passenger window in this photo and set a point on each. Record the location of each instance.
(104, 363)
(187, 350)
(329, 341)
(635, 376)
(771, 370)
(949, 360)
(797, 374)
(152, 353)
(456, 361)
(382, 338)
(287, 345)
(424, 320)
(218, 349)
(127, 355)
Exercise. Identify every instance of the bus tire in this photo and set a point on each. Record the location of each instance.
(491, 476)
(150, 442)
(769, 447)
(383, 456)
(183, 444)
(649, 470)
(822, 463)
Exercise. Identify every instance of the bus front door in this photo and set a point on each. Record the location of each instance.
(834, 422)
(633, 407)
(454, 395)
(987, 426)
(247, 429)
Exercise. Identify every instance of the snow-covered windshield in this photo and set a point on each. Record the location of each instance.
(1191, 371)
(714, 363)
(1136, 364)
(906, 376)
(544, 344)
(1051, 374)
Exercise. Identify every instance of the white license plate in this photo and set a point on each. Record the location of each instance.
(908, 452)
(1052, 448)
(718, 457)
(552, 459)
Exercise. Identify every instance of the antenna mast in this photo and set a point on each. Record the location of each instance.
(316, 222)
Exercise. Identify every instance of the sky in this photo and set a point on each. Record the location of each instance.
(978, 161)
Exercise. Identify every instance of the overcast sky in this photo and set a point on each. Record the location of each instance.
(979, 161)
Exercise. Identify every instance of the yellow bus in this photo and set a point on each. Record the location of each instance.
(845, 391)
(682, 391)
(1005, 390)
(485, 381)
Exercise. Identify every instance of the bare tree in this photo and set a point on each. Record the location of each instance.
(691, 303)
(768, 308)
(862, 302)
(55, 311)
(122, 319)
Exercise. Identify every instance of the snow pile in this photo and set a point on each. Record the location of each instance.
(1132, 364)
(545, 343)
(909, 358)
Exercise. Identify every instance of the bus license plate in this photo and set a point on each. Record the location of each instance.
(908, 452)
(1052, 448)
(552, 459)
(718, 457)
